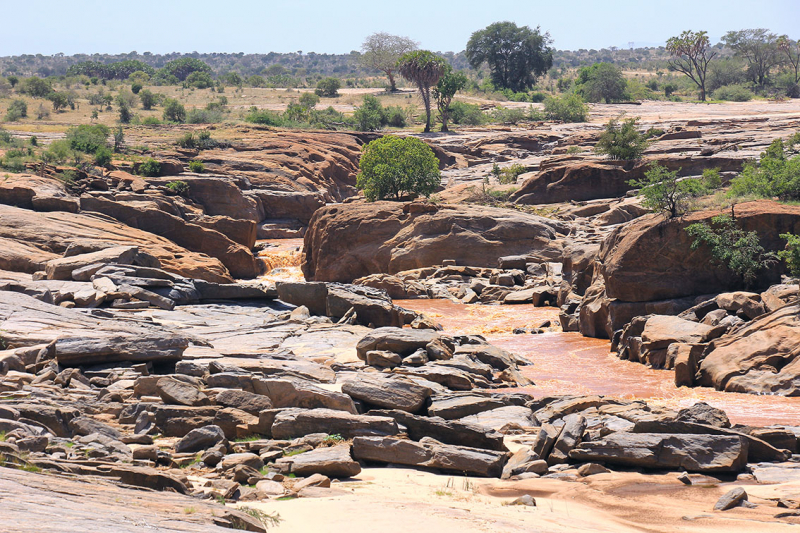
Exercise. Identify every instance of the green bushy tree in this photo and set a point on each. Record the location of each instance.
(391, 167)
(664, 193)
(17, 109)
(601, 82)
(446, 88)
(328, 87)
(87, 138)
(622, 141)
(174, 111)
(567, 108)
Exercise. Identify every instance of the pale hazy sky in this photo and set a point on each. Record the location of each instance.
(339, 26)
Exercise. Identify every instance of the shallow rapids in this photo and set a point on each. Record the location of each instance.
(568, 363)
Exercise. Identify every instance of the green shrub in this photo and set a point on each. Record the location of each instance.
(622, 141)
(537, 97)
(664, 193)
(467, 114)
(773, 175)
(308, 100)
(197, 167)
(125, 113)
(328, 87)
(505, 115)
(268, 118)
(395, 116)
(510, 174)
(653, 132)
(174, 111)
(151, 121)
(369, 116)
(199, 80)
(102, 156)
(711, 179)
(734, 93)
(732, 247)
(202, 140)
(149, 168)
(791, 254)
(148, 99)
(392, 167)
(36, 87)
(17, 109)
(87, 138)
(5, 137)
(568, 108)
(136, 87)
(203, 116)
(181, 188)
(60, 151)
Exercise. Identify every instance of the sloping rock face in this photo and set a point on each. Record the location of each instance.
(30, 239)
(349, 241)
(762, 358)
(648, 266)
(561, 180)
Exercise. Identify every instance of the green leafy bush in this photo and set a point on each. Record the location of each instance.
(370, 115)
(774, 175)
(393, 167)
(510, 174)
(102, 156)
(87, 138)
(734, 93)
(149, 168)
(732, 247)
(567, 108)
(506, 115)
(181, 188)
(203, 116)
(197, 167)
(395, 116)
(136, 87)
(467, 114)
(174, 111)
(711, 179)
(148, 99)
(308, 100)
(664, 193)
(622, 141)
(791, 254)
(328, 87)
(199, 80)
(201, 141)
(264, 116)
(151, 121)
(17, 109)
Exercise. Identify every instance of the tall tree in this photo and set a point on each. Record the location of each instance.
(380, 51)
(691, 53)
(601, 82)
(447, 87)
(759, 47)
(423, 69)
(516, 55)
(792, 52)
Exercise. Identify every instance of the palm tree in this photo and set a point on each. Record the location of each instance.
(424, 69)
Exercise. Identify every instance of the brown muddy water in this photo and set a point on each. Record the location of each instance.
(282, 259)
(568, 363)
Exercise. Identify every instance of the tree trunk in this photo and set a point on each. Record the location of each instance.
(426, 99)
(393, 85)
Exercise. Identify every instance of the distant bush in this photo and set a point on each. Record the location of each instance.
(711, 179)
(151, 121)
(125, 113)
(567, 108)
(181, 188)
(17, 109)
(174, 111)
(87, 138)
(61, 100)
(256, 81)
(395, 116)
(196, 166)
(263, 116)
(36, 87)
(622, 141)
(308, 100)
(791, 254)
(199, 80)
(59, 152)
(510, 174)
(136, 87)
(102, 156)
(467, 114)
(201, 141)
(148, 99)
(537, 97)
(149, 168)
(734, 93)
(328, 87)
(508, 115)
(203, 116)
(369, 116)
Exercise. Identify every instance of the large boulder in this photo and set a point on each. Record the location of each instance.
(761, 358)
(337, 248)
(694, 453)
(387, 392)
(334, 461)
(400, 341)
(293, 423)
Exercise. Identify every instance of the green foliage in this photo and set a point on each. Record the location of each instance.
(36, 87)
(622, 141)
(102, 156)
(17, 109)
(774, 175)
(13, 80)
(328, 87)
(87, 138)
(508, 115)
(691, 55)
(125, 113)
(174, 111)
(201, 141)
(61, 100)
(370, 115)
(444, 91)
(308, 100)
(664, 193)
(119, 139)
(601, 82)
(510, 174)
(424, 69)
(203, 116)
(711, 179)
(148, 99)
(184, 67)
(151, 121)
(733, 93)
(516, 55)
(181, 188)
(149, 168)
(391, 167)
(266, 117)
(791, 254)
(60, 152)
(136, 87)
(395, 116)
(199, 80)
(567, 108)
(265, 518)
(467, 114)
(732, 247)
(197, 167)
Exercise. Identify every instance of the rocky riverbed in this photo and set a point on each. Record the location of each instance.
(566, 365)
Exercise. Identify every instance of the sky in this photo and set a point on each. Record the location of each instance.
(340, 26)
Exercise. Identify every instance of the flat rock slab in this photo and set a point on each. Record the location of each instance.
(294, 423)
(332, 462)
(693, 453)
(430, 453)
(387, 393)
(460, 406)
(510, 416)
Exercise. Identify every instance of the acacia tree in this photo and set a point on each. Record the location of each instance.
(792, 52)
(759, 47)
(691, 52)
(516, 55)
(447, 87)
(380, 51)
(424, 69)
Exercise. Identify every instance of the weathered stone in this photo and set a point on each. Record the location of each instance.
(298, 393)
(201, 439)
(293, 423)
(570, 436)
(400, 341)
(447, 431)
(504, 418)
(334, 461)
(702, 413)
(452, 407)
(733, 498)
(246, 401)
(387, 393)
(176, 392)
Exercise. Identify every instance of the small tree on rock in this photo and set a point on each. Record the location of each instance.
(424, 69)
(664, 193)
(447, 87)
(393, 167)
(381, 51)
(622, 141)
(691, 54)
